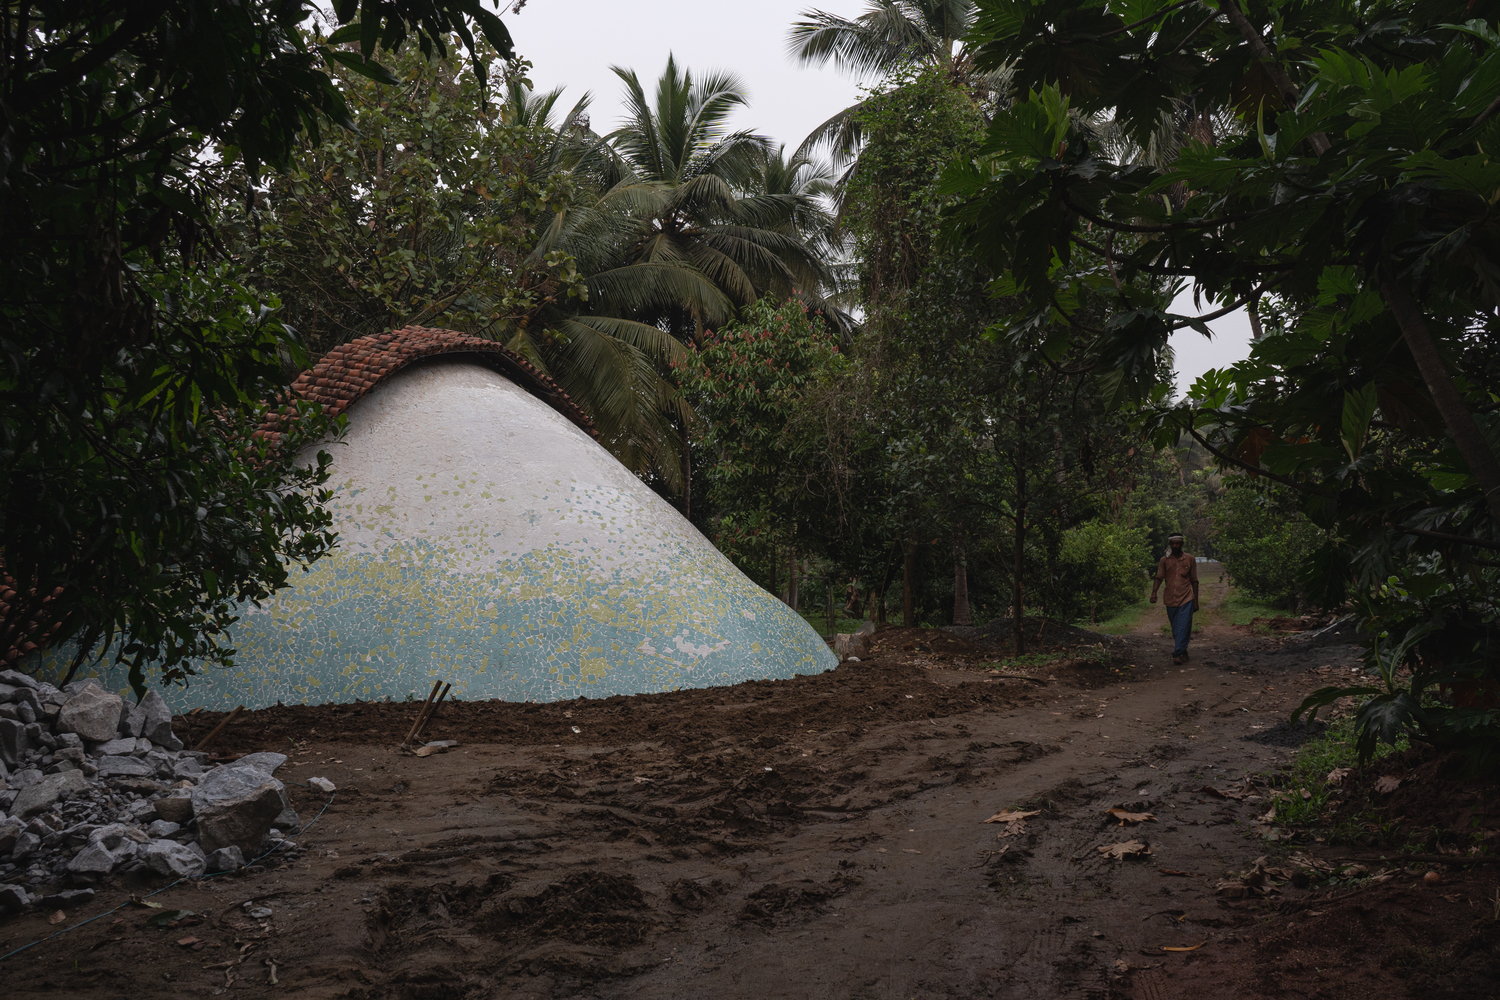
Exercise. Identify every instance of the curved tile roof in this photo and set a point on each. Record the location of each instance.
(348, 372)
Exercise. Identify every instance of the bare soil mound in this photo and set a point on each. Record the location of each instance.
(824, 836)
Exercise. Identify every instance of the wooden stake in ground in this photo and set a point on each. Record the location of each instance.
(219, 728)
(426, 718)
(418, 720)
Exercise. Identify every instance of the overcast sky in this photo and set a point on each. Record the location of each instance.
(573, 43)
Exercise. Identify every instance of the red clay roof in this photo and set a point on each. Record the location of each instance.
(29, 630)
(346, 373)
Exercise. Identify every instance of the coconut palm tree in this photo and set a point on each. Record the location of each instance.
(811, 186)
(673, 230)
(889, 35)
(694, 205)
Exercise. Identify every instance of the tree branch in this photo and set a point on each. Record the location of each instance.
(1442, 536)
(1460, 423)
(1175, 227)
(1484, 115)
(1176, 272)
(1289, 91)
(1147, 20)
(1277, 477)
(1269, 283)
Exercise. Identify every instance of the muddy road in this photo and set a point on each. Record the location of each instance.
(818, 837)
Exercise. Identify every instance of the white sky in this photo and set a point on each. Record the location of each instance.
(1196, 354)
(573, 43)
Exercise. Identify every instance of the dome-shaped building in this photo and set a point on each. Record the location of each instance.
(488, 540)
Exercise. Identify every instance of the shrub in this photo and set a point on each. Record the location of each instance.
(1100, 565)
(1263, 539)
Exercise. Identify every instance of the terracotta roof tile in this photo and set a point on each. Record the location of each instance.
(348, 372)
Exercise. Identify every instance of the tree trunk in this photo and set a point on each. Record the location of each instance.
(1460, 422)
(908, 583)
(687, 476)
(1018, 589)
(833, 622)
(1289, 93)
(885, 584)
(792, 579)
(1252, 311)
(961, 615)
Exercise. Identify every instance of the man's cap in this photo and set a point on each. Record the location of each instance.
(1170, 537)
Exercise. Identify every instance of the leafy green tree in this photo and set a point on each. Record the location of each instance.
(425, 212)
(1264, 540)
(177, 510)
(1348, 206)
(133, 505)
(691, 240)
(672, 237)
(748, 383)
(990, 450)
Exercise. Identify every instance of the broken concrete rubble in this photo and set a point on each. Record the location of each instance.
(92, 787)
(237, 804)
(92, 712)
(847, 645)
(45, 793)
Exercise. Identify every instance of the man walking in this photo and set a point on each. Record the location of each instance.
(1179, 571)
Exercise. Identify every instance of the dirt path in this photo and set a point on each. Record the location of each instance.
(820, 837)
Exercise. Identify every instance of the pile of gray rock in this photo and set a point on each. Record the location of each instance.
(91, 785)
(854, 645)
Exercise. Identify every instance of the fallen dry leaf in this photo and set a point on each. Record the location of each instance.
(1307, 863)
(1129, 817)
(57, 917)
(1174, 871)
(1217, 793)
(1268, 815)
(1014, 820)
(1191, 947)
(1337, 775)
(1129, 849)
(1011, 815)
(1387, 784)
(188, 942)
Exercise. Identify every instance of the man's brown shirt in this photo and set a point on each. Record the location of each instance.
(1178, 573)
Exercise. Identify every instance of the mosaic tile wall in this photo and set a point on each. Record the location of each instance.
(488, 541)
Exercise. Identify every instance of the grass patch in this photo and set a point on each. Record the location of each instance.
(1122, 621)
(1239, 609)
(1307, 797)
(820, 623)
(1095, 654)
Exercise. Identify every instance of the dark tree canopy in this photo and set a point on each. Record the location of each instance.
(133, 366)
